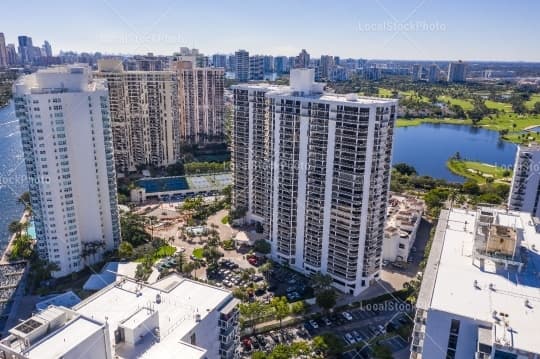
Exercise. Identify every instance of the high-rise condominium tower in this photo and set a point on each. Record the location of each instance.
(314, 169)
(457, 71)
(144, 112)
(3, 51)
(241, 65)
(67, 143)
(201, 102)
(525, 190)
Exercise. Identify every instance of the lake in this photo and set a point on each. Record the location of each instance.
(427, 147)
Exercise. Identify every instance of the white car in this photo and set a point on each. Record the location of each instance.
(381, 329)
(313, 324)
(347, 315)
(349, 338)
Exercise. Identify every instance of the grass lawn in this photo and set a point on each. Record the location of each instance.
(534, 98)
(478, 171)
(465, 104)
(198, 253)
(507, 121)
(501, 106)
(418, 121)
(164, 251)
(385, 92)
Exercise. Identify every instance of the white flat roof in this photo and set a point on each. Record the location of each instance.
(454, 290)
(181, 300)
(66, 338)
(287, 91)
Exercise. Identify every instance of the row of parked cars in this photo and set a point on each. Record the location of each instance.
(266, 342)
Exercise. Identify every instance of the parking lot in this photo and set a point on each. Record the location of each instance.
(364, 325)
(267, 341)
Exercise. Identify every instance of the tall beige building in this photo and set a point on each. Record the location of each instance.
(144, 114)
(201, 103)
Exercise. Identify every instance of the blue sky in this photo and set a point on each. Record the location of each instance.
(377, 29)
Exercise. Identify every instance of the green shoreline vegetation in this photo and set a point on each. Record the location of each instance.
(480, 172)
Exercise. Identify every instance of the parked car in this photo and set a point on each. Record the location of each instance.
(347, 316)
(382, 329)
(313, 324)
(327, 321)
(349, 338)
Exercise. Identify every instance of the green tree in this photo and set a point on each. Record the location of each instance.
(265, 269)
(262, 246)
(259, 355)
(298, 307)
(125, 250)
(326, 299)
(328, 343)
(471, 187)
(321, 281)
(405, 169)
(281, 308)
(382, 352)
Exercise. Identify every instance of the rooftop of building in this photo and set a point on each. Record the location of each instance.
(59, 79)
(182, 303)
(402, 210)
(302, 84)
(487, 286)
(178, 304)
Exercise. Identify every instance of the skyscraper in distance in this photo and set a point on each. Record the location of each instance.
(3, 51)
(67, 143)
(456, 71)
(241, 71)
(314, 170)
(47, 49)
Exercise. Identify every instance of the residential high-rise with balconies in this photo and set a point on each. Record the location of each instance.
(525, 190)
(241, 65)
(201, 103)
(313, 169)
(144, 113)
(68, 150)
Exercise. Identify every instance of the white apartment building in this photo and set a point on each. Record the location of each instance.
(525, 189)
(480, 290)
(314, 169)
(144, 114)
(403, 218)
(68, 150)
(172, 318)
(201, 103)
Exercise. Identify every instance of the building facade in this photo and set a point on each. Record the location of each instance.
(144, 114)
(314, 170)
(241, 65)
(67, 139)
(3, 51)
(456, 71)
(525, 189)
(256, 67)
(201, 103)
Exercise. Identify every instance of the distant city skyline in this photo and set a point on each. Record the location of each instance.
(408, 30)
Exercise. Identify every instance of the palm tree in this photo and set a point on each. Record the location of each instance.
(265, 269)
(321, 281)
(15, 228)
